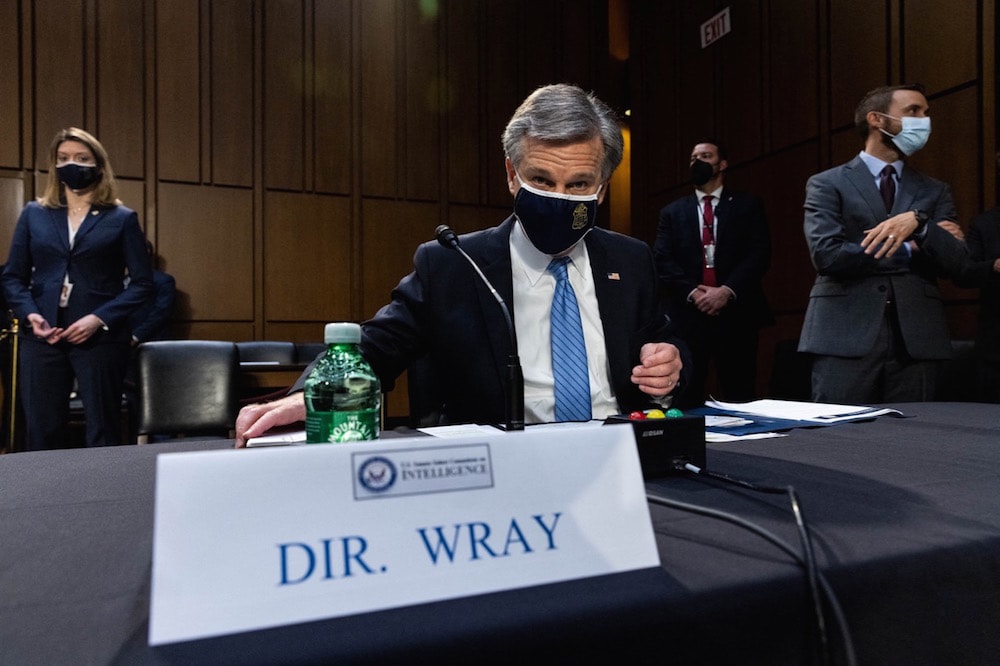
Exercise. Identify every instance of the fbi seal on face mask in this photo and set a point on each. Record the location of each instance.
(580, 219)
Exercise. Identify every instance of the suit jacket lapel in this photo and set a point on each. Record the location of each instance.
(909, 186)
(607, 287)
(60, 227)
(857, 173)
(722, 210)
(494, 261)
(89, 222)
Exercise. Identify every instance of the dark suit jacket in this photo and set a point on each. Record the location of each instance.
(742, 256)
(444, 311)
(983, 241)
(149, 321)
(848, 299)
(106, 244)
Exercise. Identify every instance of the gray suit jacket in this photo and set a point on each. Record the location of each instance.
(848, 299)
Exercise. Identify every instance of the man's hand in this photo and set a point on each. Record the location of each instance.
(888, 236)
(82, 329)
(711, 300)
(659, 369)
(255, 420)
(40, 327)
(953, 229)
(996, 265)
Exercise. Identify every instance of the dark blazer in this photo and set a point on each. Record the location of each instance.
(149, 322)
(983, 241)
(443, 310)
(108, 241)
(849, 296)
(742, 255)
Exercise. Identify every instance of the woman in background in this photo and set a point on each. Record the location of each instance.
(63, 281)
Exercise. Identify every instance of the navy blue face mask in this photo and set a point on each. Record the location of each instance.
(554, 222)
(78, 176)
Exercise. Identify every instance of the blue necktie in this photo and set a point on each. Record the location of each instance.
(569, 351)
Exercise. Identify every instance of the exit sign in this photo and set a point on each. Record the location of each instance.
(715, 27)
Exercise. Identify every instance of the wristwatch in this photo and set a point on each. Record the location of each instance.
(922, 220)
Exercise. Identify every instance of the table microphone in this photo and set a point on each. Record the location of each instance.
(515, 377)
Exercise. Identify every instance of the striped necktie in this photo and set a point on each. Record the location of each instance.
(569, 351)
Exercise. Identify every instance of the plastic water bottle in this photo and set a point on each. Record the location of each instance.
(343, 396)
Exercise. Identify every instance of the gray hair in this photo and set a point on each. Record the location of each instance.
(563, 114)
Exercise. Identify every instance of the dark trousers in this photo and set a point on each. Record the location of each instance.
(45, 375)
(886, 374)
(731, 347)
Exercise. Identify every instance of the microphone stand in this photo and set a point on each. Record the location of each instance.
(514, 403)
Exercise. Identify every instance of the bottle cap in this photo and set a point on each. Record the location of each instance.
(345, 331)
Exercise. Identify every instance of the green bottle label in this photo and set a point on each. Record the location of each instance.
(327, 427)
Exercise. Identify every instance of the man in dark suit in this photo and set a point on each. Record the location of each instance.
(983, 241)
(712, 250)
(561, 146)
(875, 322)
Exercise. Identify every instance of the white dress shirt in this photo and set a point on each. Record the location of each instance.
(533, 290)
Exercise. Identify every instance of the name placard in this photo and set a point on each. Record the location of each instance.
(247, 540)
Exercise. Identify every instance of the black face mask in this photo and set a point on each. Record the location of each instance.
(554, 222)
(701, 172)
(78, 176)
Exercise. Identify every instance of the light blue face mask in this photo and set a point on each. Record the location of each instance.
(914, 134)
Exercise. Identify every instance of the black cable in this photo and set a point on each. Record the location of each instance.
(831, 597)
(804, 537)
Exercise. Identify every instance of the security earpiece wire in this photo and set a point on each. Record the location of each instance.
(817, 580)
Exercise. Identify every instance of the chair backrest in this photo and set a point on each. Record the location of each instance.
(266, 350)
(187, 386)
(306, 352)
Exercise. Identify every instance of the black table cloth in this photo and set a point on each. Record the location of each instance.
(905, 516)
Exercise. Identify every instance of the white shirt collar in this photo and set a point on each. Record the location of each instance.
(717, 193)
(536, 262)
(875, 165)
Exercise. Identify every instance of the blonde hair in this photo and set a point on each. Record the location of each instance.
(105, 192)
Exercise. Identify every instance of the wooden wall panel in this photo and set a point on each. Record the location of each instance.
(388, 256)
(132, 193)
(940, 46)
(696, 91)
(850, 76)
(584, 47)
(214, 330)
(232, 93)
(60, 79)
(655, 107)
(793, 72)
(119, 85)
(423, 103)
(10, 86)
(739, 108)
(205, 240)
(501, 91)
(379, 98)
(951, 149)
(307, 273)
(178, 97)
(538, 45)
(463, 101)
(11, 203)
(334, 50)
(791, 275)
(284, 94)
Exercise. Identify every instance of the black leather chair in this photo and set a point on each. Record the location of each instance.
(187, 387)
(264, 351)
(306, 352)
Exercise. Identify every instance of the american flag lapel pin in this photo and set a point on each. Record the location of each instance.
(614, 276)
